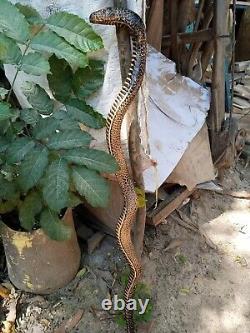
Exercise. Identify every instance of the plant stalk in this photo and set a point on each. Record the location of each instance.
(20, 66)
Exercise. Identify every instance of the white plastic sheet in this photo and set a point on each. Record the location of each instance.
(177, 109)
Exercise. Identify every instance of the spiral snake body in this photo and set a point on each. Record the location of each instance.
(129, 90)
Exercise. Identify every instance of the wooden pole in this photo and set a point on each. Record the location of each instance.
(155, 24)
(174, 38)
(217, 112)
(134, 138)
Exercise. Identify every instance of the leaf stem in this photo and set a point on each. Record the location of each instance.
(18, 71)
(21, 60)
(12, 86)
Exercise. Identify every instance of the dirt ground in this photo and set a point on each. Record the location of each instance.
(195, 288)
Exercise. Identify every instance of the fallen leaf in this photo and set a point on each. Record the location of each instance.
(82, 272)
(241, 261)
(10, 304)
(8, 285)
(174, 244)
(184, 291)
(4, 292)
(8, 327)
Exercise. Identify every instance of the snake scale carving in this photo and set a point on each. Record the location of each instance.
(129, 90)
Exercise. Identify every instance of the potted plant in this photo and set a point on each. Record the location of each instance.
(46, 163)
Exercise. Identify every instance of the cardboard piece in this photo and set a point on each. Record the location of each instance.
(196, 165)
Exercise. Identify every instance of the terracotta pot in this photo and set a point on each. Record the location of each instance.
(38, 264)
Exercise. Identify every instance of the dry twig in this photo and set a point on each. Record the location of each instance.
(187, 223)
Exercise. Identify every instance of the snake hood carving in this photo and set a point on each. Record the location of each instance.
(129, 90)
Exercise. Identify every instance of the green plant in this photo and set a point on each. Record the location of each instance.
(46, 163)
(143, 293)
(181, 259)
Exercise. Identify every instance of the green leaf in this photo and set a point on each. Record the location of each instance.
(92, 159)
(18, 149)
(15, 114)
(66, 123)
(30, 116)
(30, 207)
(74, 200)
(84, 113)
(3, 92)
(69, 140)
(4, 126)
(7, 189)
(35, 64)
(55, 190)
(12, 22)
(4, 143)
(8, 171)
(60, 81)
(88, 80)
(48, 41)
(18, 126)
(33, 167)
(45, 128)
(5, 112)
(31, 15)
(8, 206)
(76, 31)
(60, 114)
(10, 53)
(69, 124)
(55, 228)
(92, 186)
(38, 98)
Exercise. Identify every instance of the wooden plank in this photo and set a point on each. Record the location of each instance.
(165, 208)
(241, 66)
(241, 103)
(244, 122)
(237, 110)
(242, 78)
(243, 3)
(246, 80)
(242, 91)
(190, 37)
(238, 77)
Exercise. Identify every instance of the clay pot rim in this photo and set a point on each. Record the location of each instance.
(4, 226)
